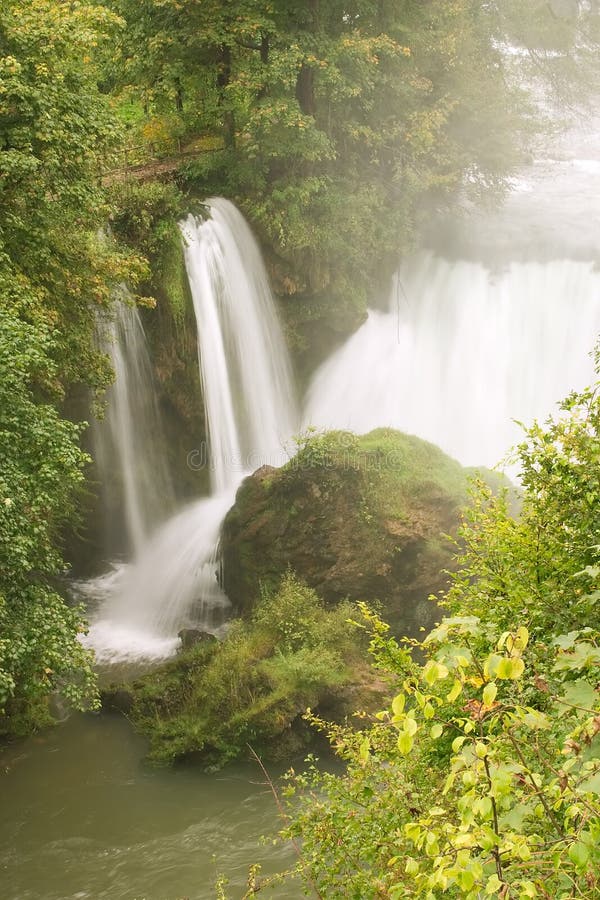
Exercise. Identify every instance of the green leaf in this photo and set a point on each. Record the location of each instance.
(493, 886)
(405, 743)
(566, 641)
(579, 854)
(410, 726)
(455, 691)
(398, 704)
(465, 879)
(490, 666)
(511, 668)
(579, 693)
(436, 731)
(434, 671)
(489, 693)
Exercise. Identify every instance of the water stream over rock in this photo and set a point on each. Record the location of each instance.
(250, 410)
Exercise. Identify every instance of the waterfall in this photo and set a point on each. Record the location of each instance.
(244, 367)
(129, 441)
(250, 414)
(492, 325)
(462, 352)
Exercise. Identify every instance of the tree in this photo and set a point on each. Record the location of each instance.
(41, 466)
(56, 130)
(341, 124)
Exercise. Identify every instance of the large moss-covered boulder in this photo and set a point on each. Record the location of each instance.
(358, 517)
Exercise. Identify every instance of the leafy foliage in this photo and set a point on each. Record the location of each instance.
(41, 466)
(56, 269)
(252, 687)
(339, 124)
(482, 778)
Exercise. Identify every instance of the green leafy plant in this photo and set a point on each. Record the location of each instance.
(253, 687)
(482, 777)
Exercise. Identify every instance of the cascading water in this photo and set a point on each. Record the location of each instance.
(245, 370)
(129, 441)
(468, 345)
(250, 414)
(462, 352)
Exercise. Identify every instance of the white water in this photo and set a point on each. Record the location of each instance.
(169, 586)
(501, 331)
(245, 370)
(129, 441)
(250, 413)
(462, 352)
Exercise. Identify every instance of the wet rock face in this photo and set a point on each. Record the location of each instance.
(361, 518)
(189, 637)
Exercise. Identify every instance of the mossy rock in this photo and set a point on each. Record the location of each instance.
(357, 517)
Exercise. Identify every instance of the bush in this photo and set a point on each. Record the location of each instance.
(482, 778)
(254, 686)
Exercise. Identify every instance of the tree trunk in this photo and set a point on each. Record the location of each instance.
(305, 90)
(223, 79)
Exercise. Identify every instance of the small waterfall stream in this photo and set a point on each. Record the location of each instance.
(129, 442)
(244, 365)
(250, 411)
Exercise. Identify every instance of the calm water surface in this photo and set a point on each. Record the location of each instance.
(82, 816)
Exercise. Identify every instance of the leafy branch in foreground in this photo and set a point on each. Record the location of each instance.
(482, 778)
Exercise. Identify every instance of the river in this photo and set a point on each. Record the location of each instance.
(84, 817)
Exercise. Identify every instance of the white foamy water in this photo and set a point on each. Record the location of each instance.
(462, 352)
(244, 365)
(501, 331)
(171, 583)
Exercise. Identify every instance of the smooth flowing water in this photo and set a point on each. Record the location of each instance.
(464, 353)
(171, 583)
(129, 441)
(244, 364)
(84, 819)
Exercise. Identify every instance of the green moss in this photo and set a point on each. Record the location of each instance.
(356, 516)
(212, 701)
(170, 275)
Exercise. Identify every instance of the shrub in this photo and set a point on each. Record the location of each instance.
(482, 778)
(254, 686)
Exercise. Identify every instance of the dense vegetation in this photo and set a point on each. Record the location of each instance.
(56, 130)
(216, 699)
(482, 778)
(338, 128)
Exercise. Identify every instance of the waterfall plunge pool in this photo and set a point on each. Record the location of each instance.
(84, 818)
